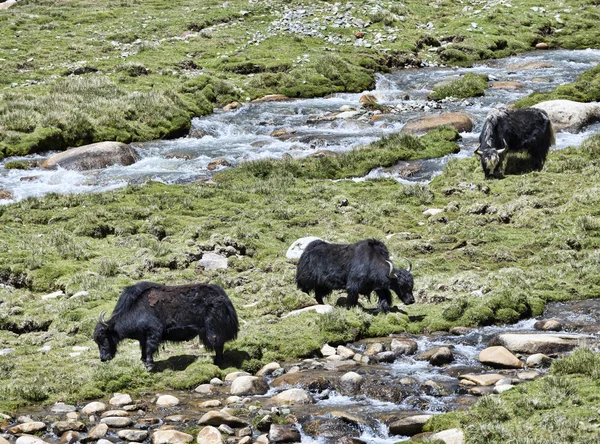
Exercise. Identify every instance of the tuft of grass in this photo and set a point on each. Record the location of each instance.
(469, 85)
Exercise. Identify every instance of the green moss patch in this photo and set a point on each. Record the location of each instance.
(469, 85)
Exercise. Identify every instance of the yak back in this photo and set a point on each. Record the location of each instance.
(522, 128)
(330, 266)
(180, 311)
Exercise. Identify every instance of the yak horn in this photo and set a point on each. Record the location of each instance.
(409, 264)
(477, 150)
(505, 147)
(391, 274)
(103, 323)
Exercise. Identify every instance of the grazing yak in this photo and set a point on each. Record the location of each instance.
(153, 313)
(358, 268)
(524, 129)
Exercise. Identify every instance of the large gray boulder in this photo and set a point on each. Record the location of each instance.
(462, 122)
(570, 116)
(539, 343)
(93, 157)
(298, 247)
(410, 425)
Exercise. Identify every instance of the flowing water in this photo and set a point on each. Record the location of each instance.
(244, 134)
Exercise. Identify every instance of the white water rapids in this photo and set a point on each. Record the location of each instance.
(244, 134)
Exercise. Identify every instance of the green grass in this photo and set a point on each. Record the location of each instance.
(521, 241)
(469, 85)
(585, 89)
(83, 71)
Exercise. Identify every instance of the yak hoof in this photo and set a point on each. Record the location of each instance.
(149, 367)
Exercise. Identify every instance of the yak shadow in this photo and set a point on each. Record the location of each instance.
(235, 358)
(518, 163)
(178, 363)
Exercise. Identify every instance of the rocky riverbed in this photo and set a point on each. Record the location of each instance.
(380, 390)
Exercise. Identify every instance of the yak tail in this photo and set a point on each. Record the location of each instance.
(129, 297)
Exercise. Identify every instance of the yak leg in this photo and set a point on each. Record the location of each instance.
(218, 355)
(320, 293)
(385, 299)
(352, 296)
(150, 344)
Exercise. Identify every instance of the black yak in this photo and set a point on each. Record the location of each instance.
(358, 268)
(153, 313)
(524, 129)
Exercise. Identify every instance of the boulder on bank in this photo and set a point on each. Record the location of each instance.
(499, 356)
(538, 343)
(570, 116)
(298, 247)
(462, 122)
(92, 157)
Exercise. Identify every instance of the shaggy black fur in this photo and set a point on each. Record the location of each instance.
(524, 129)
(358, 268)
(153, 313)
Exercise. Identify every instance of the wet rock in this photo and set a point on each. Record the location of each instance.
(292, 396)
(462, 122)
(386, 356)
(345, 352)
(229, 377)
(347, 417)
(232, 105)
(530, 65)
(92, 157)
(451, 436)
(328, 350)
(213, 261)
(30, 439)
(538, 343)
(374, 348)
(93, 407)
(308, 381)
(120, 399)
(341, 365)
(548, 325)
(249, 385)
(61, 408)
(538, 360)
(117, 422)
(499, 357)
(528, 376)
(264, 425)
(567, 115)
(180, 155)
(328, 428)
(216, 418)
(271, 98)
(64, 426)
(349, 440)
(403, 346)
(485, 379)
(97, 432)
(283, 134)
(367, 98)
(283, 433)
(120, 413)
(216, 381)
(268, 369)
(436, 356)
(460, 331)
(507, 85)
(542, 45)
(69, 437)
(206, 389)
(322, 154)
(409, 426)
(211, 404)
(167, 401)
(209, 435)
(245, 440)
(171, 437)
(297, 248)
(133, 435)
(6, 195)
(224, 428)
(27, 427)
(217, 163)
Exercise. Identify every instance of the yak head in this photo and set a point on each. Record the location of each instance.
(106, 338)
(401, 282)
(491, 160)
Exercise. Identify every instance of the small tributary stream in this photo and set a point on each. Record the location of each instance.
(394, 386)
(245, 134)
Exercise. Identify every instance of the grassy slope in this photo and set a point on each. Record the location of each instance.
(79, 71)
(520, 240)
